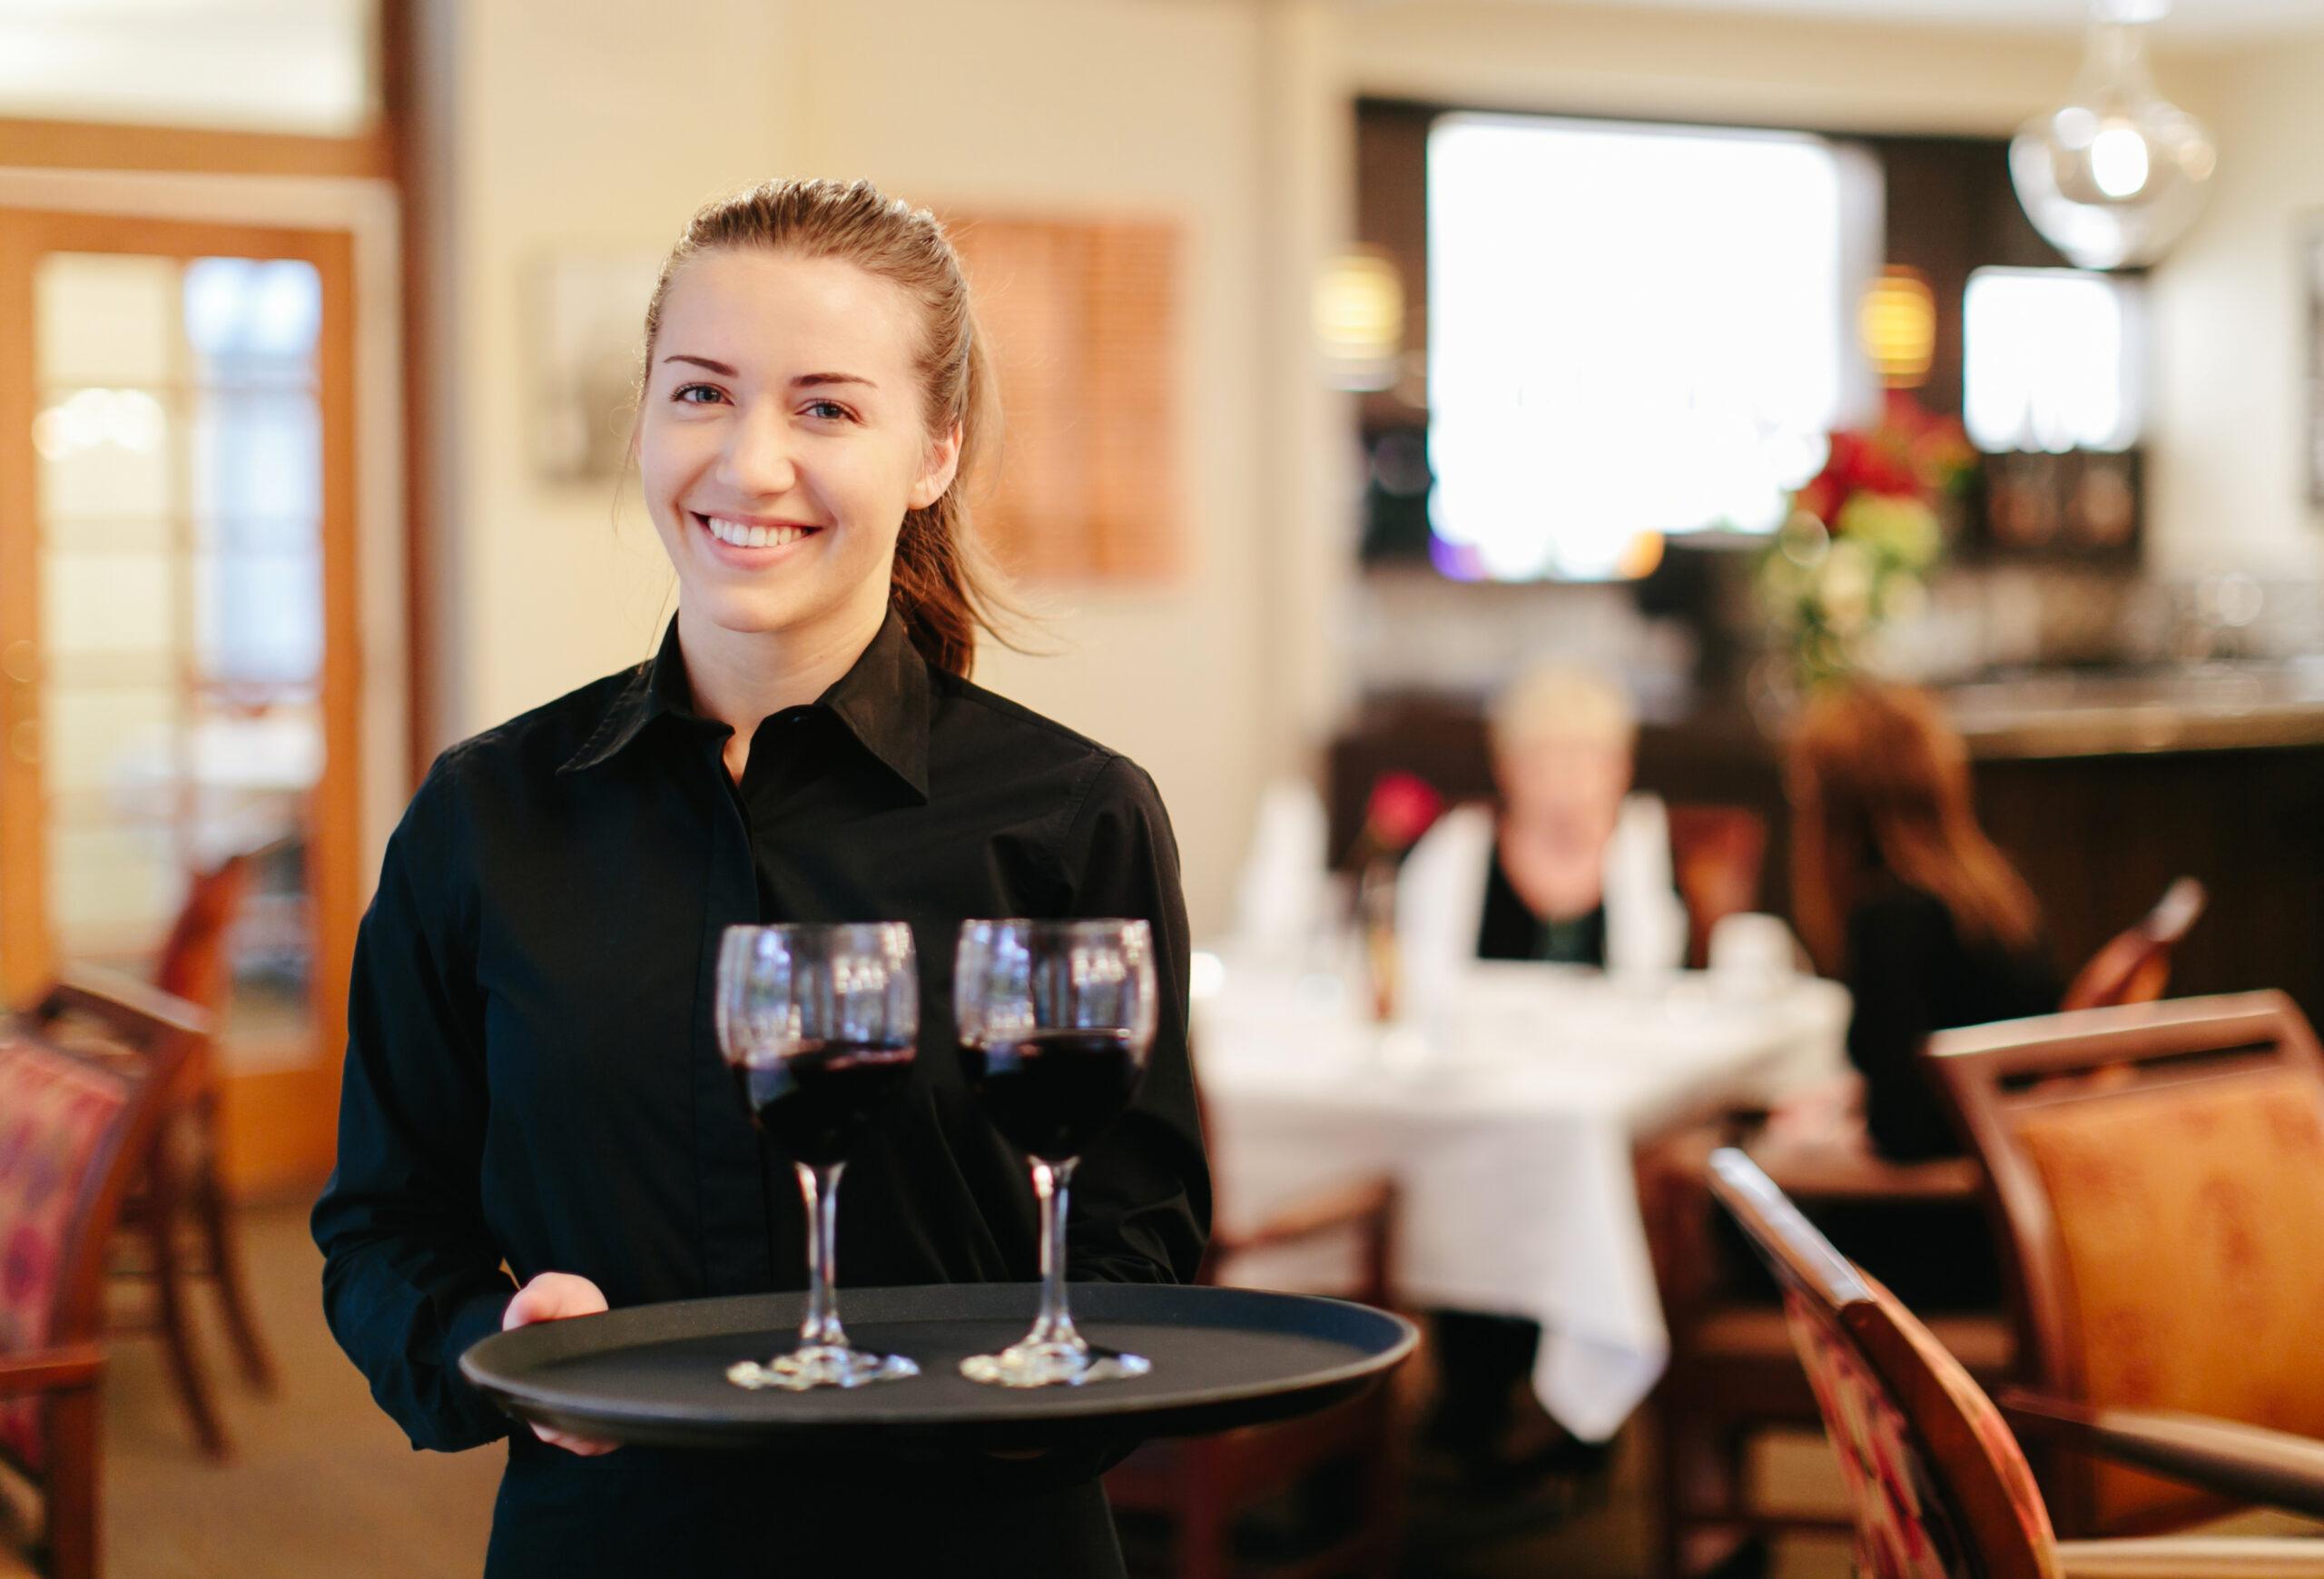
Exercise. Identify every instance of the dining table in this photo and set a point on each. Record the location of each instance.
(1508, 1114)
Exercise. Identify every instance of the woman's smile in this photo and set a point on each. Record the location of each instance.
(751, 545)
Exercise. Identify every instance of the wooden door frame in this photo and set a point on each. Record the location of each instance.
(278, 1123)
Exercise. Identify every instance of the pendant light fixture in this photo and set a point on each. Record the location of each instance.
(2117, 174)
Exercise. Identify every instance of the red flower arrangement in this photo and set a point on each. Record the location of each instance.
(1862, 533)
(1403, 807)
(1910, 454)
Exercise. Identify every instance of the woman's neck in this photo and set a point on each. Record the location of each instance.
(740, 677)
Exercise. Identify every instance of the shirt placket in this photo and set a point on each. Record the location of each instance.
(736, 1253)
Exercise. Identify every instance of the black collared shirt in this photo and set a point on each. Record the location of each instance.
(532, 1075)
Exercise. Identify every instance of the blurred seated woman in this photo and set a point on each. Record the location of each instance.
(1900, 895)
(1571, 868)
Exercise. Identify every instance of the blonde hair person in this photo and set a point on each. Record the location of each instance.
(536, 1122)
(1562, 703)
(1570, 866)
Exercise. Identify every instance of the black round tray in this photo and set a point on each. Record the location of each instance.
(655, 1375)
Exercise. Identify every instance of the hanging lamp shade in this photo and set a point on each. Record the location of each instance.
(2115, 174)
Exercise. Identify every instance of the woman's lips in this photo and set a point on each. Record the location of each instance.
(743, 544)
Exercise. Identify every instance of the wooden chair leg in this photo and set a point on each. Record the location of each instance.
(177, 1335)
(71, 1486)
(1205, 1528)
(1384, 1491)
(1699, 1477)
(1670, 1451)
(209, 1202)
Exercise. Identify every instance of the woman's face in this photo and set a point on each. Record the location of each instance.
(782, 439)
(1568, 787)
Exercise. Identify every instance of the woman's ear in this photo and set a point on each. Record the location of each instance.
(943, 459)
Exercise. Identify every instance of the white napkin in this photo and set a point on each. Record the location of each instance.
(1646, 922)
(1279, 901)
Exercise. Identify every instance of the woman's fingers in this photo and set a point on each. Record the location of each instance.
(554, 1297)
(583, 1447)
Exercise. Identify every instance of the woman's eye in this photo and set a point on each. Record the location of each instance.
(681, 393)
(830, 411)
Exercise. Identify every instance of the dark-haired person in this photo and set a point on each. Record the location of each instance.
(1900, 895)
(531, 1074)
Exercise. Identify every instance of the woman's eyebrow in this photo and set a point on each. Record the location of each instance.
(804, 381)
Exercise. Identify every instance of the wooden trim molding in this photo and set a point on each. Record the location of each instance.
(110, 146)
(411, 129)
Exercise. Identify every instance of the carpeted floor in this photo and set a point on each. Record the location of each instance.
(320, 1486)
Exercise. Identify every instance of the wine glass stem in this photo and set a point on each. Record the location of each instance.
(821, 1188)
(1055, 1324)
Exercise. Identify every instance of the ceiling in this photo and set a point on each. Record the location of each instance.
(2193, 20)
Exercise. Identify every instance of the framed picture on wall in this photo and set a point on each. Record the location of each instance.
(589, 328)
(2311, 285)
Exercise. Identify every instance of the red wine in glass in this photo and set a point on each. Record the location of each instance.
(815, 1102)
(1049, 1093)
(818, 1025)
(1056, 1019)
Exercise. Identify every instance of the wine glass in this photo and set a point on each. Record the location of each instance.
(1056, 1019)
(818, 1024)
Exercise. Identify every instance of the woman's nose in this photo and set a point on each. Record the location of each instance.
(757, 459)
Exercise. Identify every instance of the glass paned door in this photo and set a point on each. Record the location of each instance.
(179, 691)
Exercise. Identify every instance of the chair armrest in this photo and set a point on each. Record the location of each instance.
(2192, 1557)
(94, 990)
(1846, 1170)
(2250, 1462)
(1366, 1208)
(50, 1370)
(1358, 1205)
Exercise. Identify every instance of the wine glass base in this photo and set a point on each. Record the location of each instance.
(802, 1370)
(1053, 1365)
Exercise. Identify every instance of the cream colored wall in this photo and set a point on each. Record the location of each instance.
(2230, 491)
(574, 125)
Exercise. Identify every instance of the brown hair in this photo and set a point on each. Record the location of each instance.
(1879, 786)
(942, 584)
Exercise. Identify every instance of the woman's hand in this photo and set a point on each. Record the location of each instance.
(552, 1296)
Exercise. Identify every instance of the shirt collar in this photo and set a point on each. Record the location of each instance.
(884, 699)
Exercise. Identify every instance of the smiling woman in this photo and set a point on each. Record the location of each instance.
(533, 1075)
(783, 489)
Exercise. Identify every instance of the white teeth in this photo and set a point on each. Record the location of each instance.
(744, 536)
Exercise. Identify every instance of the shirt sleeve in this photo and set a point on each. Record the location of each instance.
(1140, 1200)
(1894, 949)
(410, 1273)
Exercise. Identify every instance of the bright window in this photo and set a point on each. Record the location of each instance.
(2050, 360)
(257, 66)
(1634, 330)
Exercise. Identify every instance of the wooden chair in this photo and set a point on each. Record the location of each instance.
(2134, 967)
(1732, 1369)
(1935, 1481)
(2158, 1171)
(181, 1186)
(1204, 1485)
(1716, 854)
(76, 1112)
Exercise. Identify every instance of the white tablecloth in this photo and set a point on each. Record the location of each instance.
(1508, 1125)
